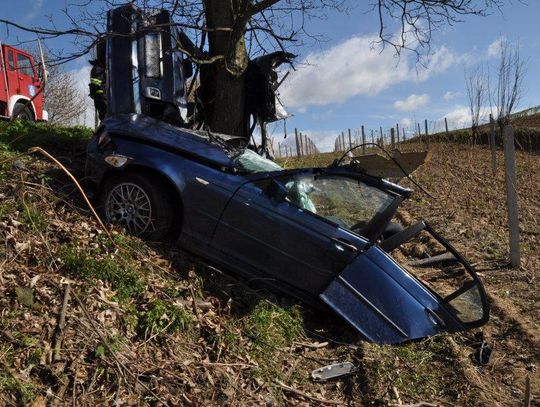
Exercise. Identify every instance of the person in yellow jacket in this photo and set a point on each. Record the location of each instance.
(98, 81)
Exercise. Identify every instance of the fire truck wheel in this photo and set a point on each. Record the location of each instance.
(24, 112)
(138, 203)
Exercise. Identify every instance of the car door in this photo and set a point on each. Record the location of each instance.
(388, 302)
(3, 79)
(272, 228)
(26, 75)
(11, 71)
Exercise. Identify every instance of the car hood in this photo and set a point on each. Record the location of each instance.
(216, 148)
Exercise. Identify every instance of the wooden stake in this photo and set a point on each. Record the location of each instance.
(297, 141)
(364, 140)
(492, 142)
(511, 194)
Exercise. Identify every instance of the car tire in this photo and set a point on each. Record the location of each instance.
(24, 112)
(138, 203)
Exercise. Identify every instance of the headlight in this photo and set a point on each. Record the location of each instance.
(153, 93)
(117, 161)
(152, 56)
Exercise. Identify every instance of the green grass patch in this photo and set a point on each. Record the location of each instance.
(21, 135)
(7, 209)
(163, 317)
(24, 392)
(270, 324)
(272, 328)
(418, 369)
(33, 218)
(121, 275)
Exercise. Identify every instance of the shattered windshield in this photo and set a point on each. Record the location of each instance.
(253, 162)
(347, 202)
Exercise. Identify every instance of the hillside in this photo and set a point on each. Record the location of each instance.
(147, 323)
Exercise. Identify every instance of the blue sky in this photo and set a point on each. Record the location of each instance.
(346, 82)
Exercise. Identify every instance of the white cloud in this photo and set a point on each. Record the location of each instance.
(355, 67)
(35, 8)
(412, 102)
(341, 72)
(494, 49)
(438, 62)
(451, 95)
(458, 117)
(406, 123)
(81, 78)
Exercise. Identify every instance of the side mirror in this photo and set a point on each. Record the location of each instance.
(276, 191)
(187, 66)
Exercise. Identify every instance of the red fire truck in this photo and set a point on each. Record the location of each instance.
(20, 85)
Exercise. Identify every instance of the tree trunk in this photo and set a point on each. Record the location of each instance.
(223, 91)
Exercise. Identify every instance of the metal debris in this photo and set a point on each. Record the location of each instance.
(335, 371)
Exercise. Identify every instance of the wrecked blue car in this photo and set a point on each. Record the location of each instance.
(321, 235)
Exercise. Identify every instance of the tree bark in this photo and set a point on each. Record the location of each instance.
(223, 90)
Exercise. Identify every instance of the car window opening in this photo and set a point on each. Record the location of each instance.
(447, 278)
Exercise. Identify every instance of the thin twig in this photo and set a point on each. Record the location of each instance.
(59, 334)
(307, 396)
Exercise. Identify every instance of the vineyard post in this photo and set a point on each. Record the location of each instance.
(350, 139)
(397, 134)
(297, 140)
(511, 194)
(382, 138)
(404, 138)
(446, 125)
(363, 141)
(392, 138)
(372, 137)
(493, 146)
(427, 133)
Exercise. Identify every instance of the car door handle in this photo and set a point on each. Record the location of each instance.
(435, 318)
(343, 244)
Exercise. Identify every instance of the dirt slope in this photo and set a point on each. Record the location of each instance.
(150, 324)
